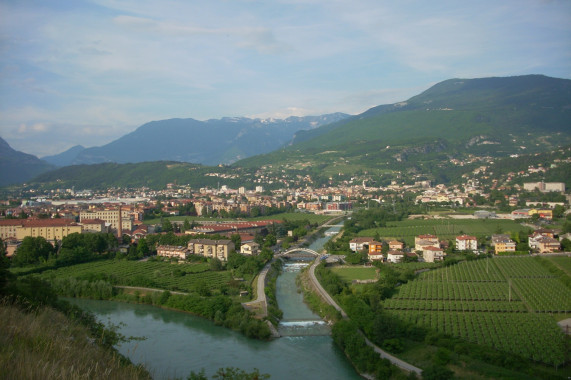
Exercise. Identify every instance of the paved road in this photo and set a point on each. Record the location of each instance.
(396, 361)
(322, 291)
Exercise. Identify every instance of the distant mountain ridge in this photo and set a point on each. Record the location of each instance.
(64, 158)
(210, 142)
(18, 167)
(461, 109)
(485, 116)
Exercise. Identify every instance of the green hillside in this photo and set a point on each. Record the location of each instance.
(154, 175)
(455, 118)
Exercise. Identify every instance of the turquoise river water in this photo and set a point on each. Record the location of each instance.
(177, 343)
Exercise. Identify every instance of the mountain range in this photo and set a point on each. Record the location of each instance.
(211, 142)
(453, 119)
(18, 167)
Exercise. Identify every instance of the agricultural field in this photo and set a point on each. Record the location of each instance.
(507, 303)
(445, 229)
(293, 216)
(561, 262)
(152, 274)
(355, 273)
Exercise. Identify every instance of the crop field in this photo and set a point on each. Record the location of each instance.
(443, 228)
(562, 263)
(159, 274)
(355, 273)
(507, 303)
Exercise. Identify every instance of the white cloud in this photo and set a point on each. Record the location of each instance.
(95, 71)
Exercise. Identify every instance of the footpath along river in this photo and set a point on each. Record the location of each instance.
(177, 343)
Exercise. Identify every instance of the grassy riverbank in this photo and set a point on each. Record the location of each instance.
(45, 344)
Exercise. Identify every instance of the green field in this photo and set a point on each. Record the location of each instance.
(507, 303)
(355, 273)
(445, 229)
(152, 274)
(293, 216)
(562, 263)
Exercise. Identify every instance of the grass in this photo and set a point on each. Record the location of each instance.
(349, 274)
(46, 345)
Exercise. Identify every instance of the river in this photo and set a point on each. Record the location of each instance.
(177, 343)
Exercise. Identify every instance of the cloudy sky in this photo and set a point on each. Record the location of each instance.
(87, 72)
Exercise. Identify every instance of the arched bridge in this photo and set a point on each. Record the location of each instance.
(306, 250)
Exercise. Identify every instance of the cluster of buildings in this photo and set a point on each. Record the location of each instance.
(209, 248)
(541, 241)
(431, 249)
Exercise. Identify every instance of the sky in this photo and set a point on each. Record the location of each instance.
(88, 72)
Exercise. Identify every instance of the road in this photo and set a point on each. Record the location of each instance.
(385, 355)
(260, 300)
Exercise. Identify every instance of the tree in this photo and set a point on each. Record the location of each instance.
(186, 224)
(167, 226)
(142, 247)
(237, 240)
(33, 250)
(558, 211)
(215, 264)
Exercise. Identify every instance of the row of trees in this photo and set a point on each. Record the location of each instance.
(74, 248)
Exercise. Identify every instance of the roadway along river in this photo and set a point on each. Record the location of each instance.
(177, 343)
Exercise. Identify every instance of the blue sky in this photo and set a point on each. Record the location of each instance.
(87, 72)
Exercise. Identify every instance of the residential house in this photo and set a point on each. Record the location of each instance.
(173, 251)
(375, 256)
(251, 248)
(395, 245)
(547, 244)
(395, 256)
(432, 254)
(211, 248)
(503, 243)
(466, 243)
(375, 246)
(359, 243)
(422, 241)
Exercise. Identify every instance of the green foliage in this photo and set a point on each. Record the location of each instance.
(346, 335)
(437, 372)
(33, 250)
(330, 281)
(230, 373)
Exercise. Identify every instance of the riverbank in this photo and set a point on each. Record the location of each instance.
(46, 344)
